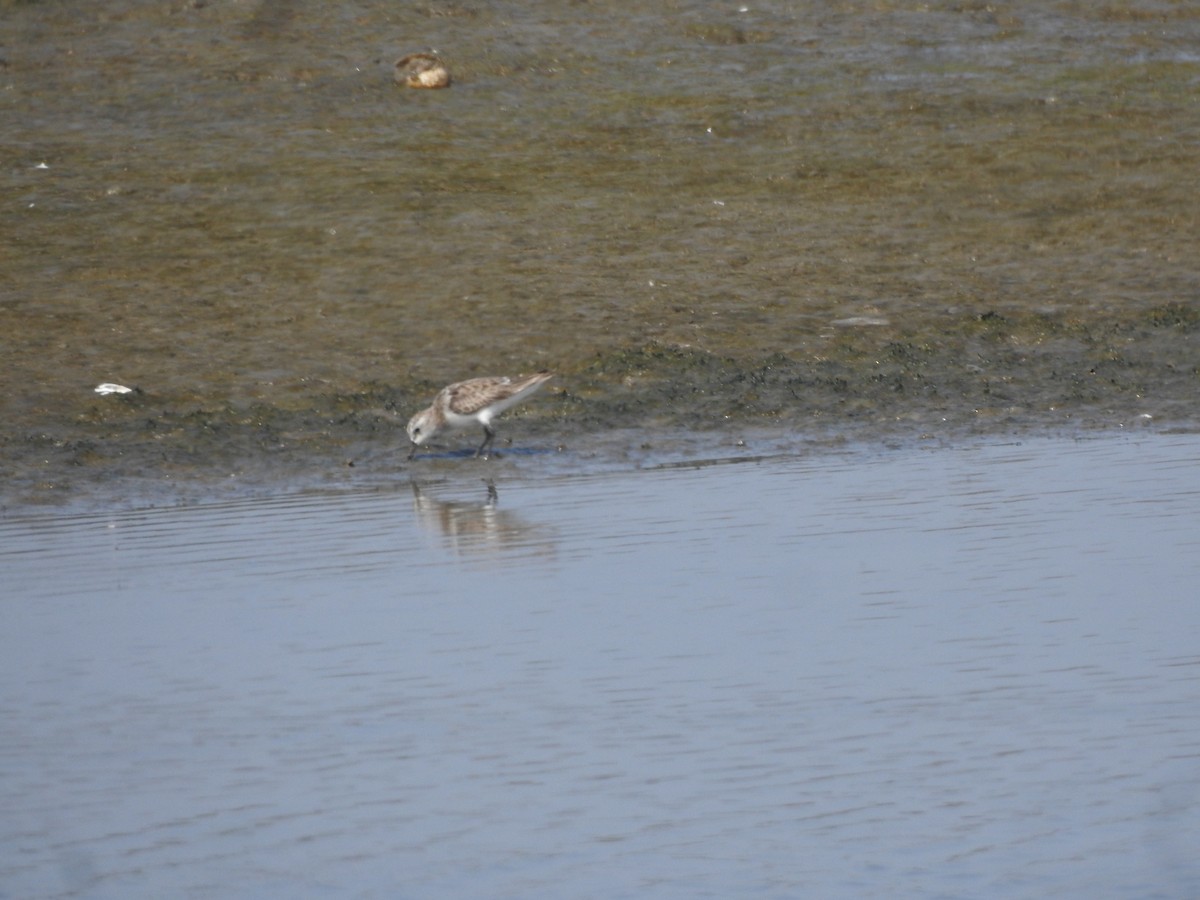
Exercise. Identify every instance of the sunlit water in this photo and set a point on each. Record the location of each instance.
(946, 673)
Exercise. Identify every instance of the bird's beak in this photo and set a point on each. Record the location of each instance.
(413, 451)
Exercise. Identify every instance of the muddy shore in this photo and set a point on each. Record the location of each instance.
(992, 376)
(858, 221)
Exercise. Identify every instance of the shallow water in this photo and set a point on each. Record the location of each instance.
(967, 671)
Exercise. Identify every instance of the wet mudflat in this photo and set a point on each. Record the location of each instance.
(961, 672)
(923, 218)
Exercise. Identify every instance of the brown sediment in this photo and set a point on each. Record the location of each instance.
(875, 221)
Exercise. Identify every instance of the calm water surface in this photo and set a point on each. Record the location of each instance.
(958, 673)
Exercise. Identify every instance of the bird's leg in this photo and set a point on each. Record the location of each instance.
(490, 436)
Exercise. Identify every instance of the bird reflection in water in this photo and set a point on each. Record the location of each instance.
(478, 526)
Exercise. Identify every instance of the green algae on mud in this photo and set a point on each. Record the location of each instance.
(983, 373)
(879, 216)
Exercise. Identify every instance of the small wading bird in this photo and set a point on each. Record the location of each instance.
(422, 70)
(473, 402)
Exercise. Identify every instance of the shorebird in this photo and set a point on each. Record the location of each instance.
(473, 402)
(422, 70)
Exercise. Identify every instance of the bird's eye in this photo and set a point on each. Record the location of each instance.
(416, 431)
